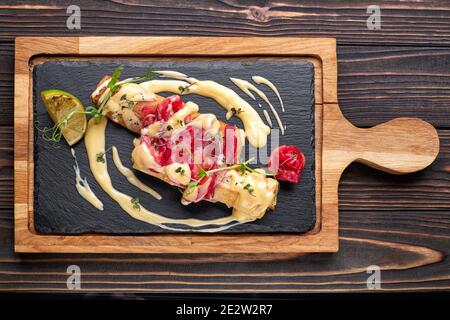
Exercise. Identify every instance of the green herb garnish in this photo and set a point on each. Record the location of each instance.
(249, 188)
(186, 88)
(101, 155)
(180, 170)
(135, 203)
(236, 111)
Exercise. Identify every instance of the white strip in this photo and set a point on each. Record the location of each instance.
(131, 177)
(266, 114)
(247, 86)
(83, 187)
(242, 84)
(261, 80)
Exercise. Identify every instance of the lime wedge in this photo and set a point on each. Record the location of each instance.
(60, 105)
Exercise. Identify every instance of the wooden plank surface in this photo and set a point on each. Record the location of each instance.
(375, 84)
(401, 69)
(407, 22)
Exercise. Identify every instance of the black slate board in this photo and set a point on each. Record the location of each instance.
(60, 210)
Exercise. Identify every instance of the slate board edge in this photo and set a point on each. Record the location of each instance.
(312, 142)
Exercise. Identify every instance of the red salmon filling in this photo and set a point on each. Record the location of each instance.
(152, 112)
(287, 162)
(192, 145)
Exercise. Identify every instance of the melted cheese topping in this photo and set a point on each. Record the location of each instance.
(207, 121)
(255, 128)
(256, 193)
(128, 92)
(83, 187)
(247, 86)
(261, 80)
(143, 159)
(131, 176)
(178, 173)
(95, 143)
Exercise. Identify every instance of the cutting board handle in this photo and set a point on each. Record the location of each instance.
(399, 146)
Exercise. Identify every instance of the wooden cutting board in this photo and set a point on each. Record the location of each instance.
(399, 146)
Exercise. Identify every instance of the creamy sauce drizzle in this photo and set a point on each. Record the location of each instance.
(131, 176)
(172, 74)
(256, 130)
(261, 80)
(95, 143)
(266, 115)
(246, 86)
(83, 187)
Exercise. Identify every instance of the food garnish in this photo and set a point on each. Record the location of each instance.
(249, 188)
(287, 162)
(101, 156)
(68, 114)
(135, 203)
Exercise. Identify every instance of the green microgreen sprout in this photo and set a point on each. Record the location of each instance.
(135, 202)
(54, 133)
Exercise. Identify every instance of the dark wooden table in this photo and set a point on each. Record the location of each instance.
(400, 223)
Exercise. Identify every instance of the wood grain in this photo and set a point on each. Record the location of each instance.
(406, 22)
(400, 253)
(401, 70)
(376, 84)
